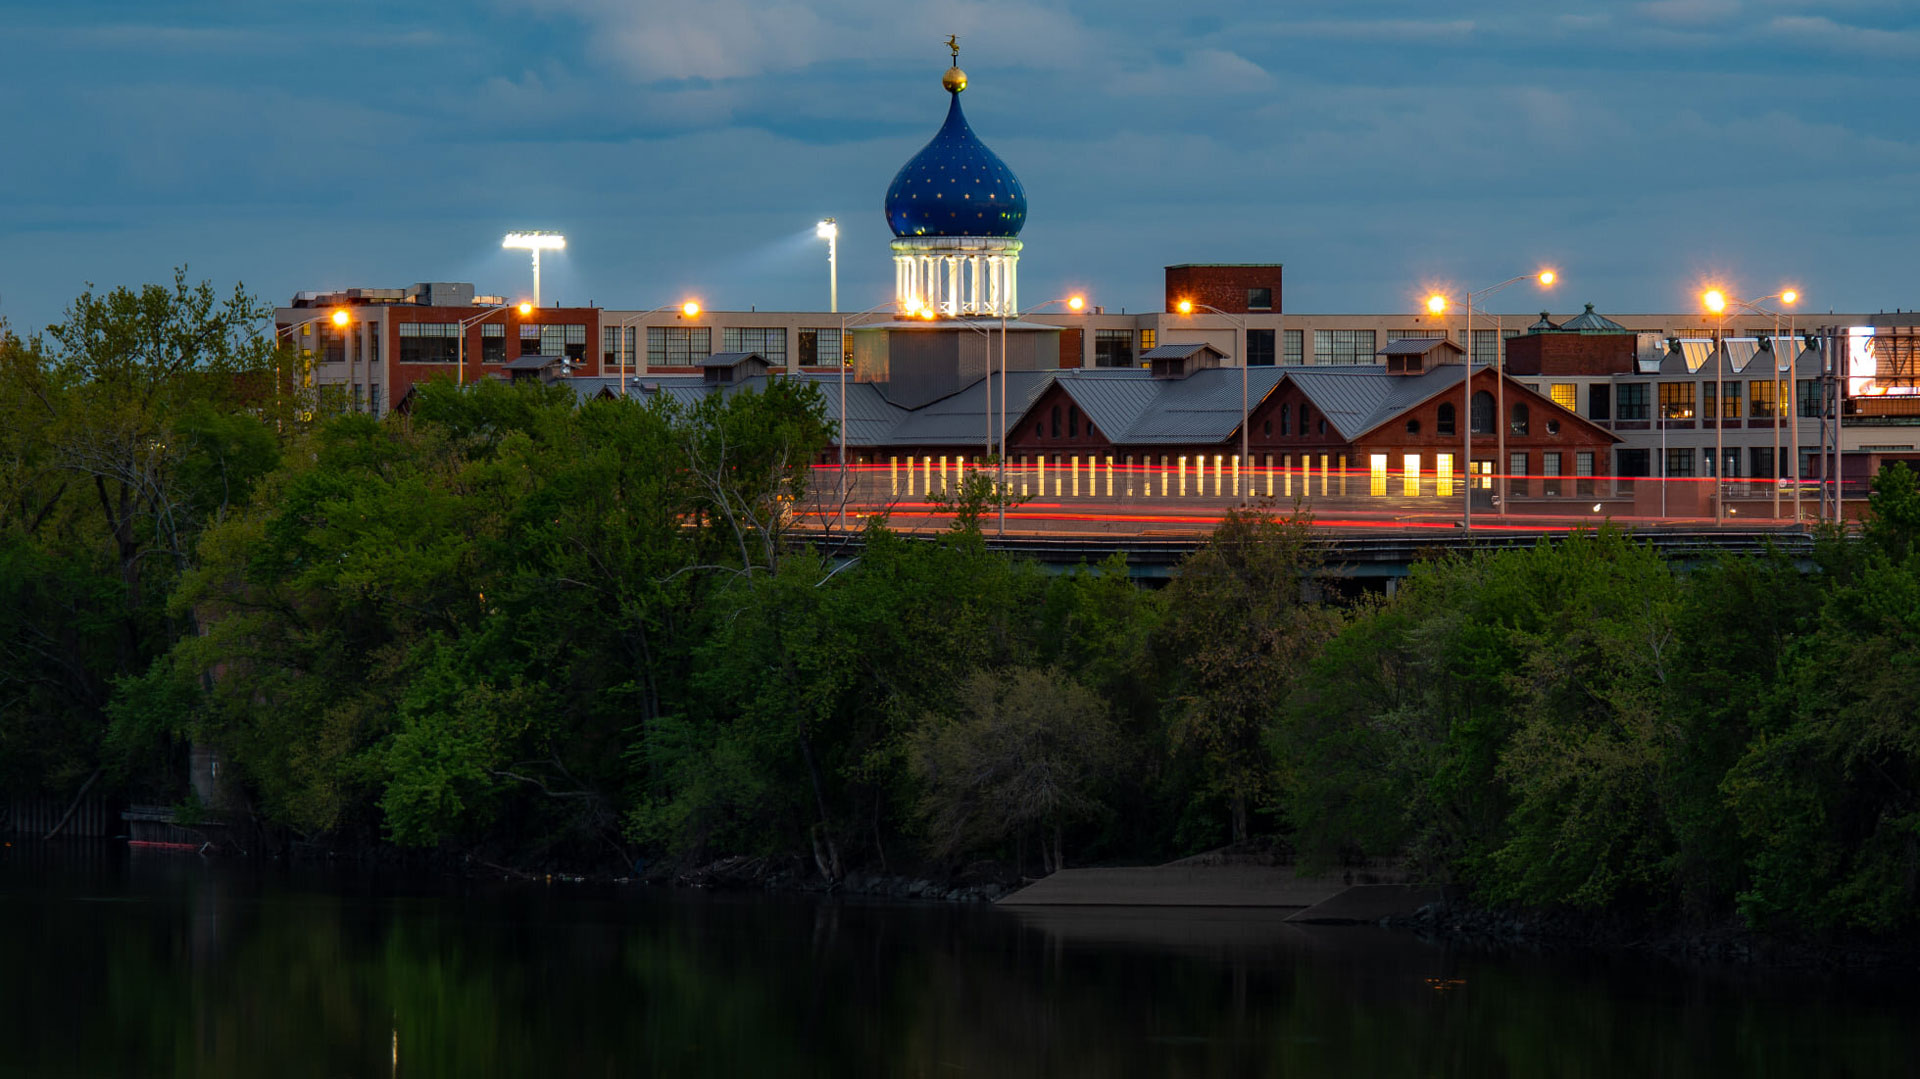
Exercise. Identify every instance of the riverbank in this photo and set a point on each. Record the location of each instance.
(1457, 921)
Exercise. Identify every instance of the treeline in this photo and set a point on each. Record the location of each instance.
(513, 624)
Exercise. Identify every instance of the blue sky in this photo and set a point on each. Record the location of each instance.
(1375, 147)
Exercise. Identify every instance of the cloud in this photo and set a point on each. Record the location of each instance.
(1690, 12)
(1407, 30)
(653, 40)
(1220, 71)
(1865, 41)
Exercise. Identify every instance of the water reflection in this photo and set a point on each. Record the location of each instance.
(167, 966)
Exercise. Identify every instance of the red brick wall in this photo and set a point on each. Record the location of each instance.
(402, 376)
(1552, 354)
(1575, 434)
(1224, 287)
(1071, 346)
(1033, 432)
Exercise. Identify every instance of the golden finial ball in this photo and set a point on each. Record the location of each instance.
(955, 80)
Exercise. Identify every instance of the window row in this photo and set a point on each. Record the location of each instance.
(1695, 400)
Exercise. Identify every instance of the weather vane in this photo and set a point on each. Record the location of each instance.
(953, 43)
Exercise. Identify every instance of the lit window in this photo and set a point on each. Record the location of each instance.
(1563, 395)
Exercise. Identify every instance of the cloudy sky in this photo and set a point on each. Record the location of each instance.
(686, 148)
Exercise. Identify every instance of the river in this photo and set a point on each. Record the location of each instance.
(114, 964)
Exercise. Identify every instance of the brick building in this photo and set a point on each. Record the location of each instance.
(394, 339)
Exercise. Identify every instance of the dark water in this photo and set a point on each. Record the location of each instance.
(159, 965)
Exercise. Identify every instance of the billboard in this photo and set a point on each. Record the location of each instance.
(1863, 366)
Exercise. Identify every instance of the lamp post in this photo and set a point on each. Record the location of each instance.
(339, 316)
(1719, 303)
(1186, 307)
(829, 231)
(686, 309)
(536, 242)
(841, 436)
(1437, 305)
(460, 347)
(1076, 304)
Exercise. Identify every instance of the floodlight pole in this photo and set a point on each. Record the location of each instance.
(534, 242)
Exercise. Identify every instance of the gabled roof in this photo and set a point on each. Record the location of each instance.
(1358, 399)
(533, 363)
(1180, 350)
(1416, 346)
(1202, 407)
(729, 359)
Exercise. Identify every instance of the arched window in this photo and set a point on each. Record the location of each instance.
(1303, 418)
(1443, 419)
(1482, 417)
(1286, 418)
(1267, 429)
(1073, 421)
(1056, 421)
(1520, 418)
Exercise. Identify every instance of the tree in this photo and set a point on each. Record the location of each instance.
(1021, 757)
(1241, 628)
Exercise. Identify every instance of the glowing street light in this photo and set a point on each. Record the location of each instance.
(536, 242)
(460, 332)
(339, 316)
(829, 231)
(1719, 303)
(688, 309)
(1186, 307)
(1437, 305)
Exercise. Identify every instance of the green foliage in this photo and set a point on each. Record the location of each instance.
(1239, 623)
(1024, 753)
(512, 620)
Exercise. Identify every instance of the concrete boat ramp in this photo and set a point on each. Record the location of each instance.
(1338, 898)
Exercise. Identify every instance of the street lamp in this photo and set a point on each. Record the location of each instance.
(535, 242)
(829, 231)
(1186, 307)
(688, 309)
(1719, 303)
(1437, 305)
(339, 316)
(460, 334)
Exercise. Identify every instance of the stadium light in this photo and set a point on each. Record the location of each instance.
(535, 242)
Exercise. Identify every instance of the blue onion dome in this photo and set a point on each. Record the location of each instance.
(955, 186)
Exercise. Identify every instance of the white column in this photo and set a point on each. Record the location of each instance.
(974, 263)
(1012, 294)
(993, 284)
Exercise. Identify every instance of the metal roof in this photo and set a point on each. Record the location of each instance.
(1179, 350)
(1202, 407)
(1357, 399)
(1589, 322)
(729, 359)
(1415, 346)
(1112, 404)
(533, 363)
